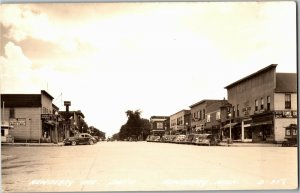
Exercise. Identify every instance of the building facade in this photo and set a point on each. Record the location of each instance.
(208, 116)
(180, 122)
(31, 115)
(158, 125)
(262, 105)
(70, 123)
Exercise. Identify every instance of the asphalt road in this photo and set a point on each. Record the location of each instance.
(144, 166)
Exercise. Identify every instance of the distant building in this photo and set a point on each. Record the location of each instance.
(262, 105)
(180, 122)
(31, 115)
(207, 116)
(70, 123)
(158, 125)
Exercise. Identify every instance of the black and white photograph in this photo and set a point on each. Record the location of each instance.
(148, 96)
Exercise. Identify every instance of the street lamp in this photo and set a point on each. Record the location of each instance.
(56, 123)
(229, 115)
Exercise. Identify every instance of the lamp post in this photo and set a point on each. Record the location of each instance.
(229, 115)
(56, 123)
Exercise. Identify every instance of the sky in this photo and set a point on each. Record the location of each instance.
(160, 58)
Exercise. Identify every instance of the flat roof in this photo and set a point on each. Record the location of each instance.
(252, 75)
(203, 101)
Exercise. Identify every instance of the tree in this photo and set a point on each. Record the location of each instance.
(96, 132)
(135, 126)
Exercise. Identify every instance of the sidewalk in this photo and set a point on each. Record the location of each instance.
(250, 144)
(33, 144)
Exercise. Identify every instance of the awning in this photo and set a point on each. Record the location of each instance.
(228, 125)
(261, 123)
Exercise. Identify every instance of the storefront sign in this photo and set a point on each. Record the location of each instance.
(285, 114)
(47, 116)
(17, 122)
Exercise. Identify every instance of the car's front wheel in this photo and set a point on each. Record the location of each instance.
(74, 143)
(91, 142)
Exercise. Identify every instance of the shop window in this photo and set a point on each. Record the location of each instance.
(268, 102)
(287, 101)
(256, 105)
(262, 103)
(11, 113)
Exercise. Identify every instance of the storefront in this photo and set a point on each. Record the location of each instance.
(263, 127)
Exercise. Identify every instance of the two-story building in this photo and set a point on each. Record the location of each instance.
(31, 115)
(262, 105)
(180, 122)
(206, 116)
(158, 125)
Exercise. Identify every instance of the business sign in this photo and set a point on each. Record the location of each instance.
(47, 116)
(286, 114)
(17, 122)
(67, 103)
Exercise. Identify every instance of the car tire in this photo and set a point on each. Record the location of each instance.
(91, 142)
(73, 143)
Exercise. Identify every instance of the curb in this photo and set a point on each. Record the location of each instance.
(31, 145)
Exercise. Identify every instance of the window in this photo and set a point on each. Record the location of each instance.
(287, 132)
(160, 125)
(256, 105)
(237, 111)
(203, 113)
(294, 131)
(262, 103)
(268, 102)
(233, 111)
(11, 113)
(195, 115)
(218, 115)
(287, 101)
(2, 132)
(208, 118)
(200, 115)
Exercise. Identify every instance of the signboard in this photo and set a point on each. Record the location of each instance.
(47, 116)
(285, 114)
(17, 122)
(67, 103)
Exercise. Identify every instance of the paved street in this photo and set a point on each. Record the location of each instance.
(133, 166)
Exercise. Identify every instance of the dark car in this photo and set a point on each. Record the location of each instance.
(80, 138)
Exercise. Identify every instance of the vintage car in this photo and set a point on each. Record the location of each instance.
(206, 139)
(80, 138)
(290, 136)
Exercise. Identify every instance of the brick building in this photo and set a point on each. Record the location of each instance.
(263, 104)
(180, 122)
(158, 125)
(207, 116)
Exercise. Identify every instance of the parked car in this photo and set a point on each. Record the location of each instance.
(180, 139)
(189, 139)
(207, 139)
(80, 138)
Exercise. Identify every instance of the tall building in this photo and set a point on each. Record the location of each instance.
(180, 122)
(158, 125)
(263, 104)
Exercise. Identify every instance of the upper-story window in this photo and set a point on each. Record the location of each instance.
(237, 110)
(287, 101)
(200, 115)
(218, 115)
(233, 111)
(203, 113)
(11, 113)
(256, 105)
(208, 118)
(160, 125)
(262, 103)
(195, 115)
(268, 102)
